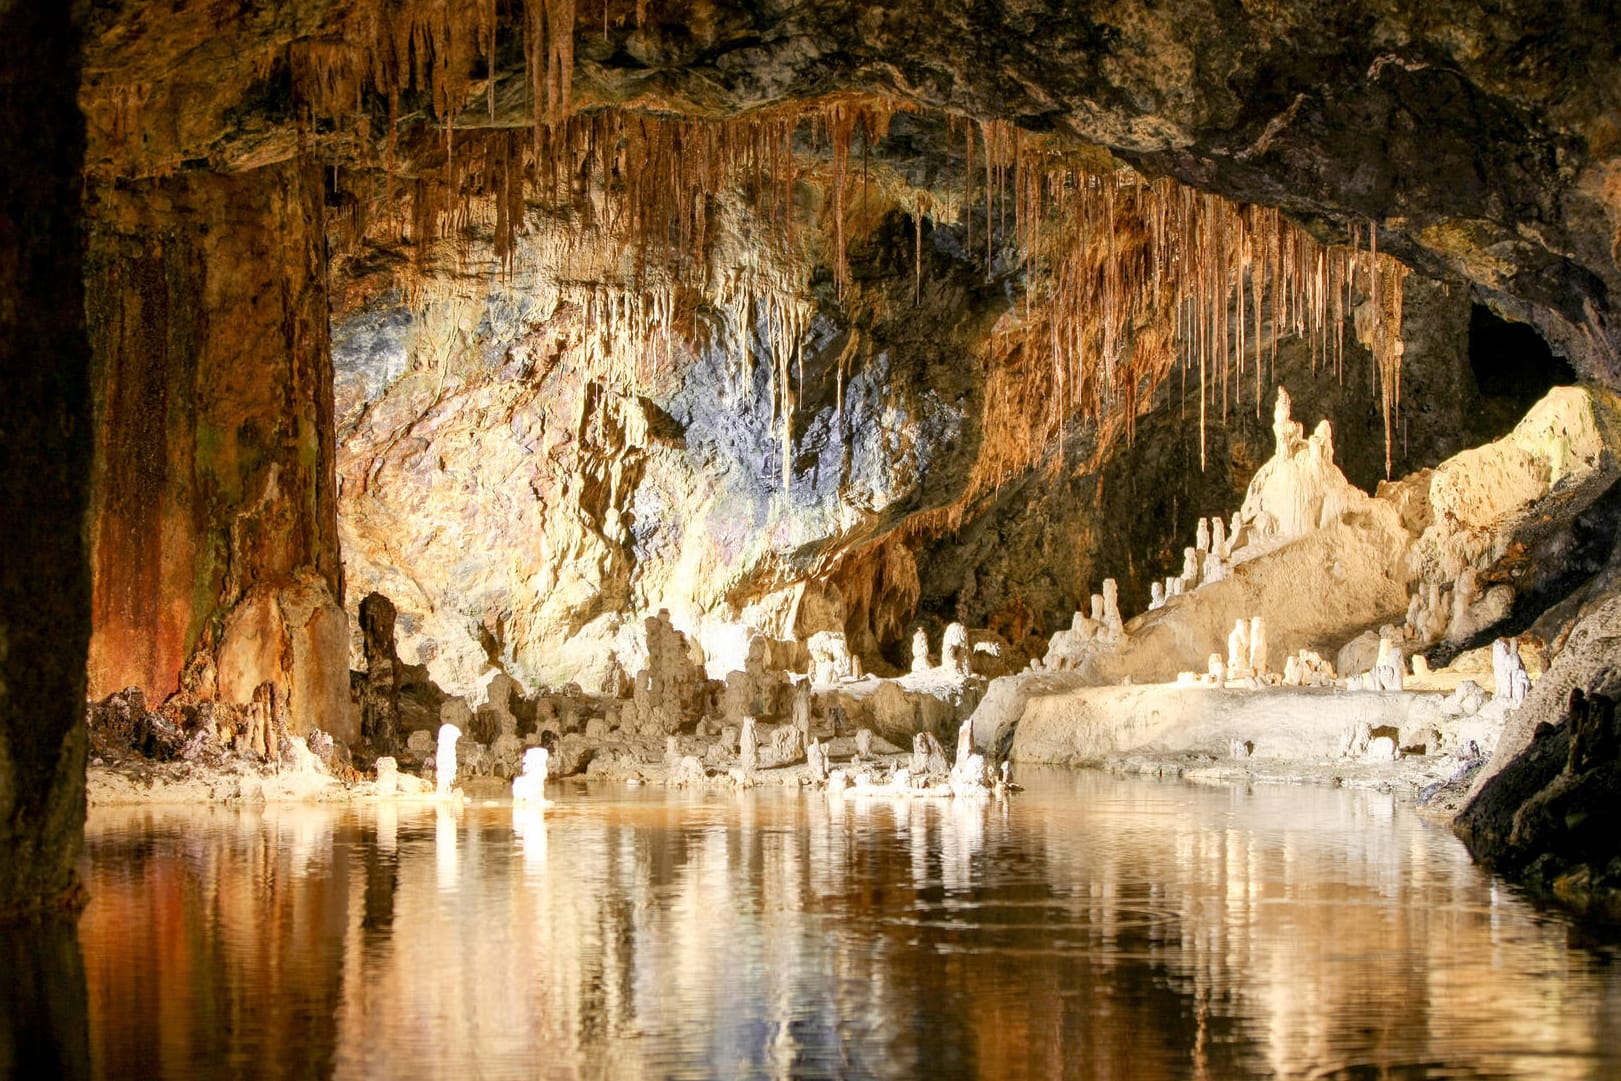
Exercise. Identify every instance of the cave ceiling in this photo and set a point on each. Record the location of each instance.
(891, 213)
(1482, 140)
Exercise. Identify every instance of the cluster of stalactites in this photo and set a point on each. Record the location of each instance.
(1127, 280)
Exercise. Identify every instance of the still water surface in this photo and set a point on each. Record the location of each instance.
(1095, 927)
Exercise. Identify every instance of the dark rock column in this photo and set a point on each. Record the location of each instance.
(214, 520)
(44, 461)
(380, 696)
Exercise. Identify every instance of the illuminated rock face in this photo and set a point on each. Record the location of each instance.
(214, 524)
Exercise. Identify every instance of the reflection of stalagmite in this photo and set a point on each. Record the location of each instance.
(446, 863)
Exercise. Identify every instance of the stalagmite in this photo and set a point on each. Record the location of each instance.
(1238, 649)
(1218, 538)
(1390, 673)
(1508, 671)
(1216, 672)
(388, 776)
(920, 651)
(444, 761)
(816, 760)
(1156, 596)
(530, 786)
(1201, 542)
(955, 655)
(1113, 625)
(928, 757)
(863, 743)
(748, 753)
(1257, 658)
(1190, 570)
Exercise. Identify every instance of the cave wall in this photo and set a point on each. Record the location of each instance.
(1045, 543)
(45, 448)
(476, 422)
(214, 524)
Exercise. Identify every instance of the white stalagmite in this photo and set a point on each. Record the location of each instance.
(920, 651)
(1156, 596)
(444, 761)
(1201, 537)
(1113, 626)
(530, 786)
(954, 651)
(1508, 670)
(1238, 648)
(1258, 646)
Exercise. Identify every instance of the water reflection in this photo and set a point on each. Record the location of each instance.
(1095, 928)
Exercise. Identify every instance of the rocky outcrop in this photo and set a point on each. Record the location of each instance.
(214, 521)
(45, 453)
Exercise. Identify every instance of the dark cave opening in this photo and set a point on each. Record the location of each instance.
(1513, 365)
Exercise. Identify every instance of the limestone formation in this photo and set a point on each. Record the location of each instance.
(530, 785)
(1216, 671)
(1190, 570)
(1156, 596)
(863, 743)
(1113, 625)
(955, 656)
(831, 659)
(1508, 670)
(1257, 646)
(1218, 538)
(920, 651)
(1238, 649)
(380, 692)
(444, 761)
(1201, 542)
(669, 693)
(816, 760)
(1389, 672)
(388, 776)
(928, 757)
(1299, 489)
(748, 744)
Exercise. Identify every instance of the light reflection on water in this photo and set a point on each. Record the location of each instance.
(1096, 927)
